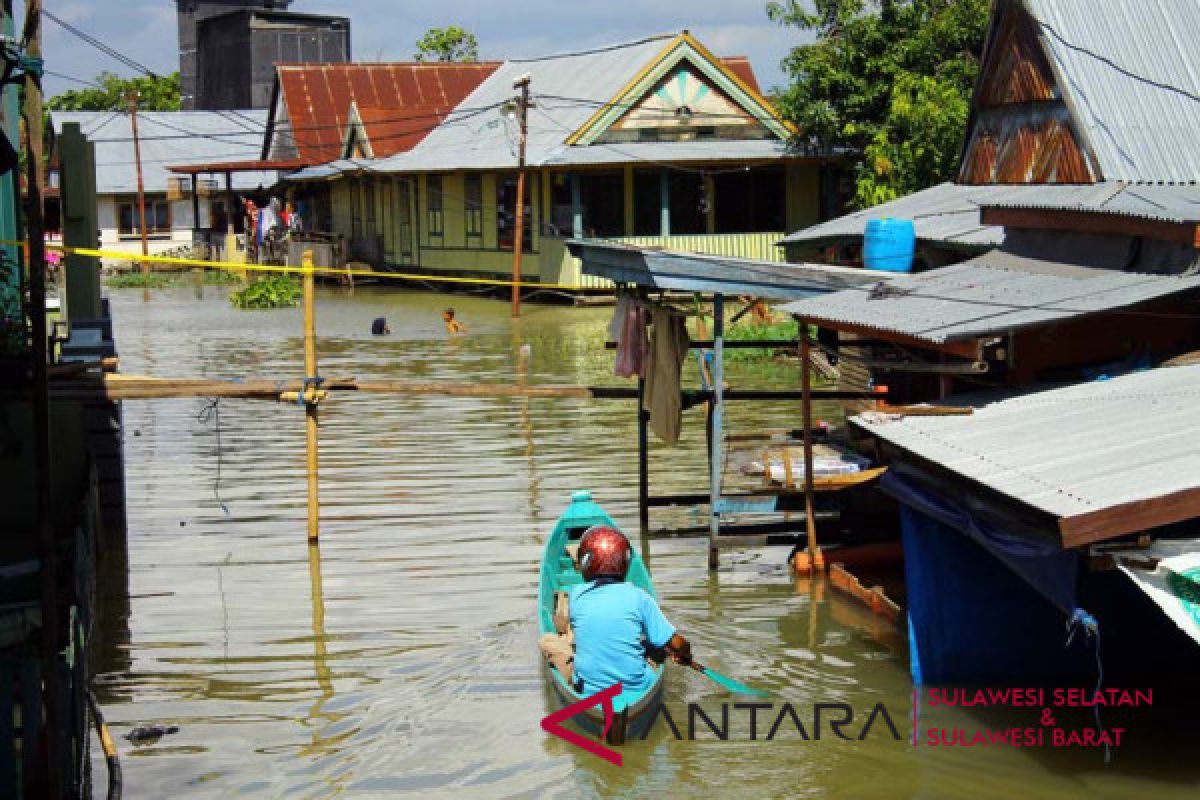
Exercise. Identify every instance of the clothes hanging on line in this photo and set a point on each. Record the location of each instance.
(628, 329)
(663, 396)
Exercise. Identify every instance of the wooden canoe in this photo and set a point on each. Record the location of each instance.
(633, 711)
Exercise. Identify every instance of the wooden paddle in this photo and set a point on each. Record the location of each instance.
(727, 682)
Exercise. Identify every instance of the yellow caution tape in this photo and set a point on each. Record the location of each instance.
(236, 266)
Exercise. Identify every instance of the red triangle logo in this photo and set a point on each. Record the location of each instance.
(553, 723)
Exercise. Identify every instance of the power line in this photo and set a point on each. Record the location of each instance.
(72, 78)
(246, 154)
(447, 118)
(662, 37)
(101, 46)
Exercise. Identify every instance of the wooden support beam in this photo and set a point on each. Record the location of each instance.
(971, 349)
(142, 387)
(643, 445)
(1124, 518)
(716, 420)
(815, 561)
(1187, 233)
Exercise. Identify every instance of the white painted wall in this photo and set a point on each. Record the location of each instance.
(181, 226)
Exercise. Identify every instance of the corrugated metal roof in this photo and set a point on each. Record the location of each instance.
(330, 171)
(945, 214)
(672, 270)
(418, 96)
(1166, 202)
(1069, 451)
(949, 213)
(169, 138)
(991, 294)
(567, 89)
(1130, 72)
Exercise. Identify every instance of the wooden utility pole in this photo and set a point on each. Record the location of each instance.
(39, 373)
(311, 394)
(132, 99)
(522, 85)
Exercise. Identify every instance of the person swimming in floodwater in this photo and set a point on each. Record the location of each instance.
(380, 327)
(452, 325)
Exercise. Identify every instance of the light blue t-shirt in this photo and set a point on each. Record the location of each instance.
(610, 621)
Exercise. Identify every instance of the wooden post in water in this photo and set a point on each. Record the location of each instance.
(815, 561)
(311, 394)
(717, 416)
(522, 109)
(131, 98)
(643, 460)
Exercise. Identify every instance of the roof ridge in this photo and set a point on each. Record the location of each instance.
(350, 64)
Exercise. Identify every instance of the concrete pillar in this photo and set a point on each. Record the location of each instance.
(80, 228)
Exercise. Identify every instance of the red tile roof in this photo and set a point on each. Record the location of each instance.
(415, 96)
(740, 66)
(399, 103)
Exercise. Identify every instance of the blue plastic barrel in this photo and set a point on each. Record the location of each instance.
(888, 245)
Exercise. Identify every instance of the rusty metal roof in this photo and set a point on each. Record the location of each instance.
(1130, 74)
(314, 104)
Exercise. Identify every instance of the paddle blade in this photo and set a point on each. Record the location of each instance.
(731, 684)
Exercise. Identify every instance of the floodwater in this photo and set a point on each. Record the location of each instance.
(400, 657)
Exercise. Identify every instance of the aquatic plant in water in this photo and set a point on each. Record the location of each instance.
(274, 291)
(140, 280)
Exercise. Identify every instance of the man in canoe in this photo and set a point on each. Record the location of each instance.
(614, 623)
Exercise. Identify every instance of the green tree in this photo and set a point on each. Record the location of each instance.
(160, 93)
(447, 44)
(889, 79)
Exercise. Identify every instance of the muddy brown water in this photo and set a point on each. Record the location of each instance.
(400, 657)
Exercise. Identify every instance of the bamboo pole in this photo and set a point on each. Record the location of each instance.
(311, 395)
(815, 561)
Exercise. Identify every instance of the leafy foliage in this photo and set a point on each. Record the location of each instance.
(890, 80)
(154, 94)
(140, 280)
(274, 291)
(447, 44)
(162, 280)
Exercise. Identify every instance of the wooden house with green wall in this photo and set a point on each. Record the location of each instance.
(656, 142)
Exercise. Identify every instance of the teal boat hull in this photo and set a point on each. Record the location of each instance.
(633, 711)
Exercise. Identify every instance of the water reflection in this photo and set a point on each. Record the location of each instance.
(414, 667)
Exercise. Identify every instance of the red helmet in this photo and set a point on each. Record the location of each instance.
(604, 552)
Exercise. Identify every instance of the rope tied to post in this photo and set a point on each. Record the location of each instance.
(314, 383)
(1081, 620)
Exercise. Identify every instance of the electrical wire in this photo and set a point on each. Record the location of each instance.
(72, 78)
(101, 46)
(446, 118)
(595, 50)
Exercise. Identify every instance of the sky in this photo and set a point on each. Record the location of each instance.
(386, 29)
